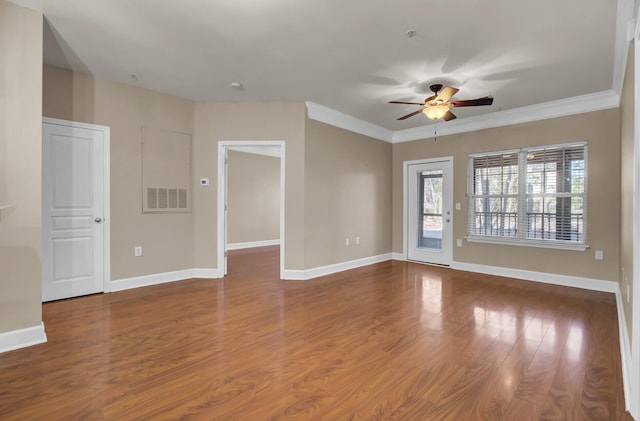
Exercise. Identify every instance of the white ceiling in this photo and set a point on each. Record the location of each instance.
(351, 55)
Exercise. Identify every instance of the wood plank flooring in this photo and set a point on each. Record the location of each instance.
(395, 340)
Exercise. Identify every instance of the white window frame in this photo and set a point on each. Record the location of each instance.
(521, 239)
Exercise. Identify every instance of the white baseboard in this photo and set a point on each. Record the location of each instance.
(544, 277)
(304, 275)
(625, 349)
(399, 256)
(293, 275)
(212, 273)
(251, 244)
(162, 278)
(21, 338)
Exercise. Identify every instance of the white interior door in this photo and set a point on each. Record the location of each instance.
(74, 211)
(430, 216)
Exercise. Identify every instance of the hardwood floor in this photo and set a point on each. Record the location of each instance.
(393, 340)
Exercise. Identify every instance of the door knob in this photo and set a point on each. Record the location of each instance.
(448, 220)
(98, 219)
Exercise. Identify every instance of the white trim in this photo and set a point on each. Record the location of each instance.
(399, 256)
(21, 338)
(252, 244)
(563, 107)
(77, 124)
(522, 242)
(560, 108)
(106, 218)
(293, 275)
(338, 119)
(543, 277)
(163, 278)
(210, 273)
(405, 196)
(624, 33)
(106, 183)
(273, 151)
(221, 225)
(304, 275)
(625, 349)
(634, 369)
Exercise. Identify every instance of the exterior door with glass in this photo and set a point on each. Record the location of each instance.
(430, 216)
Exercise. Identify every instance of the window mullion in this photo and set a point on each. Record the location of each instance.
(522, 195)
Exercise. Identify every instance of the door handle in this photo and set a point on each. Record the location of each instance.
(98, 219)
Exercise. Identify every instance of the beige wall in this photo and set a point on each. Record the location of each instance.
(627, 174)
(602, 131)
(166, 239)
(20, 167)
(347, 194)
(253, 197)
(216, 122)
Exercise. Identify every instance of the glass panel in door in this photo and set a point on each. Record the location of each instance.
(429, 190)
(430, 230)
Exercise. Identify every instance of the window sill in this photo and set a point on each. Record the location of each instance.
(548, 244)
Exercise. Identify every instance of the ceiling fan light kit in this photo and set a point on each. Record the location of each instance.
(439, 105)
(435, 112)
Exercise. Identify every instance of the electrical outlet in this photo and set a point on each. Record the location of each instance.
(357, 240)
(346, 242)
(459, 242)
(137, 251)
(599, 255)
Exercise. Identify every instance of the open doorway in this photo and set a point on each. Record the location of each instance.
(246, 218)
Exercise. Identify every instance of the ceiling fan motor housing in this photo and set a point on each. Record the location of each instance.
(436, 87)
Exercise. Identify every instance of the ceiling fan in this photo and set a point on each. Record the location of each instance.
(439, 106)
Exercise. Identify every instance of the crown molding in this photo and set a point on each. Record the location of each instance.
(625, 31)
(344, 121)
(569, 106)
(560, 108)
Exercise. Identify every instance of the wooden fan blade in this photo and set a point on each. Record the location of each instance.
(449, 116)
(487, 100)
(446, 93)
(431, 98)
(402, 102)
(411, 114)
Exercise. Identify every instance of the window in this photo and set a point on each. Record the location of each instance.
(533, 196)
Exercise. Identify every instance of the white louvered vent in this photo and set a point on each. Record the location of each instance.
(164, 199)
(182, 199)
(173, 198)
(152, 198)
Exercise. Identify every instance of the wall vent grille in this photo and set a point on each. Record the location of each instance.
(166, 199)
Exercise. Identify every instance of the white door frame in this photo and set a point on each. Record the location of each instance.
(246, 146)
(632, 380)
(405, 197)
(106, 216)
